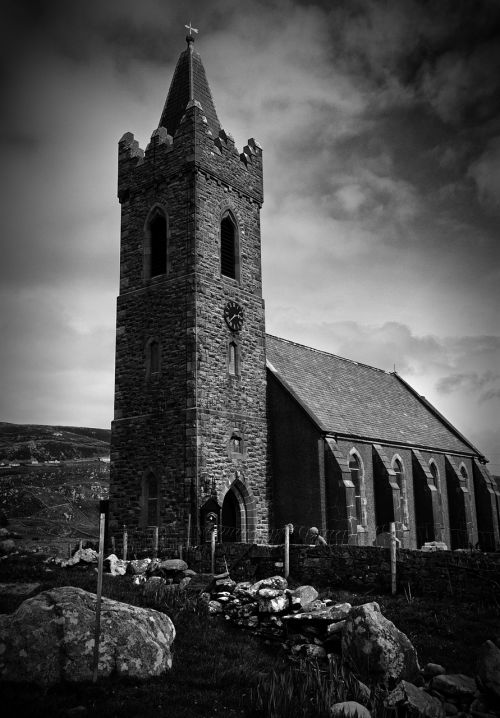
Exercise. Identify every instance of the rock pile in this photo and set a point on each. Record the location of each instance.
(361, 638)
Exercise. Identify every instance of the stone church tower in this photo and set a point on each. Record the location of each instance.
(189, 436)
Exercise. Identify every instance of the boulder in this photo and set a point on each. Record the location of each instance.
(325, 615)
(139, 566)
(173, 564)
(434, 546)
(244, 590)
(414, 701)
(454, 685)
(304, 595)
(214, 607)
(87, 555)
(271, 600)
(224, 584)
(339, 611)
(277, 582)
(115, 565)
(50, 638)
(334, 628)
(376, 649)
(488, 667)
(349, 709)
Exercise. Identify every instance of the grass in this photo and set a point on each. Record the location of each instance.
(214, 670)
(222, 671)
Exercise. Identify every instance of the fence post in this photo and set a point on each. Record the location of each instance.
(102, 525)
(180, 552)
(188, 538)
(393, 557)
(125, 543)
(212, 550)
(113, 545)
(155, 541)
(286, 561)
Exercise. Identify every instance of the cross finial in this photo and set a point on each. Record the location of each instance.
(191, 29)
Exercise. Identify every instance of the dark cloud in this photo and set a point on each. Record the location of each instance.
(486, 385)
(381, 178)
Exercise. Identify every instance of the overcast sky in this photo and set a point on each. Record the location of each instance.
(380, 127)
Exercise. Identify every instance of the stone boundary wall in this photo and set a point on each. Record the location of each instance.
(462, 575)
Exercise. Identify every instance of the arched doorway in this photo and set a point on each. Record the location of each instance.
(231, 517)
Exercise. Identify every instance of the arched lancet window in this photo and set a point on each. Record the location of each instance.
(156, 244)
(435, 474)
(236, 444)
(229, 257)
(233, 359)
(464, 474)
(356, 478)
(398, 467)
(150, 499)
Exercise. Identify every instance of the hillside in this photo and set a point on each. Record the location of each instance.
(34, 442)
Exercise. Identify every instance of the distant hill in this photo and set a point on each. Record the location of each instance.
(34, 442)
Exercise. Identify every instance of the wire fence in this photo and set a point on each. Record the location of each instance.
(164, 541)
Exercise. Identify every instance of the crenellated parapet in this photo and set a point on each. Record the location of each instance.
(193, 146)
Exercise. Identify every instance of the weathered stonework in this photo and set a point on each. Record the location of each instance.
(177, 422)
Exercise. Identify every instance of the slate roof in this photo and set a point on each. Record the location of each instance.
(189, 64)
(347, 398)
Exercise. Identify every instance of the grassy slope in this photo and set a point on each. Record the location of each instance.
(22, 442)
(215, 667)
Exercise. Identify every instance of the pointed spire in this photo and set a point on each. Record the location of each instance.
(189, 83)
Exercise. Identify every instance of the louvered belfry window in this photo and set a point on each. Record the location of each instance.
(228, 248)
(158, 229)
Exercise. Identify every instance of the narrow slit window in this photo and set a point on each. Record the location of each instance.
(233, 359)
(158, 234)
(401, 482)
(355, 470)
(228, 248)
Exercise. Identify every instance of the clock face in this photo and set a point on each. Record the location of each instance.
(233, 316)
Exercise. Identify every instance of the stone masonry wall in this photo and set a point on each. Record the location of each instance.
(463, 575)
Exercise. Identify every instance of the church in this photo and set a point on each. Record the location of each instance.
(217, 423)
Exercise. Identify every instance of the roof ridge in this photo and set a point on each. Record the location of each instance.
(330, 354)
